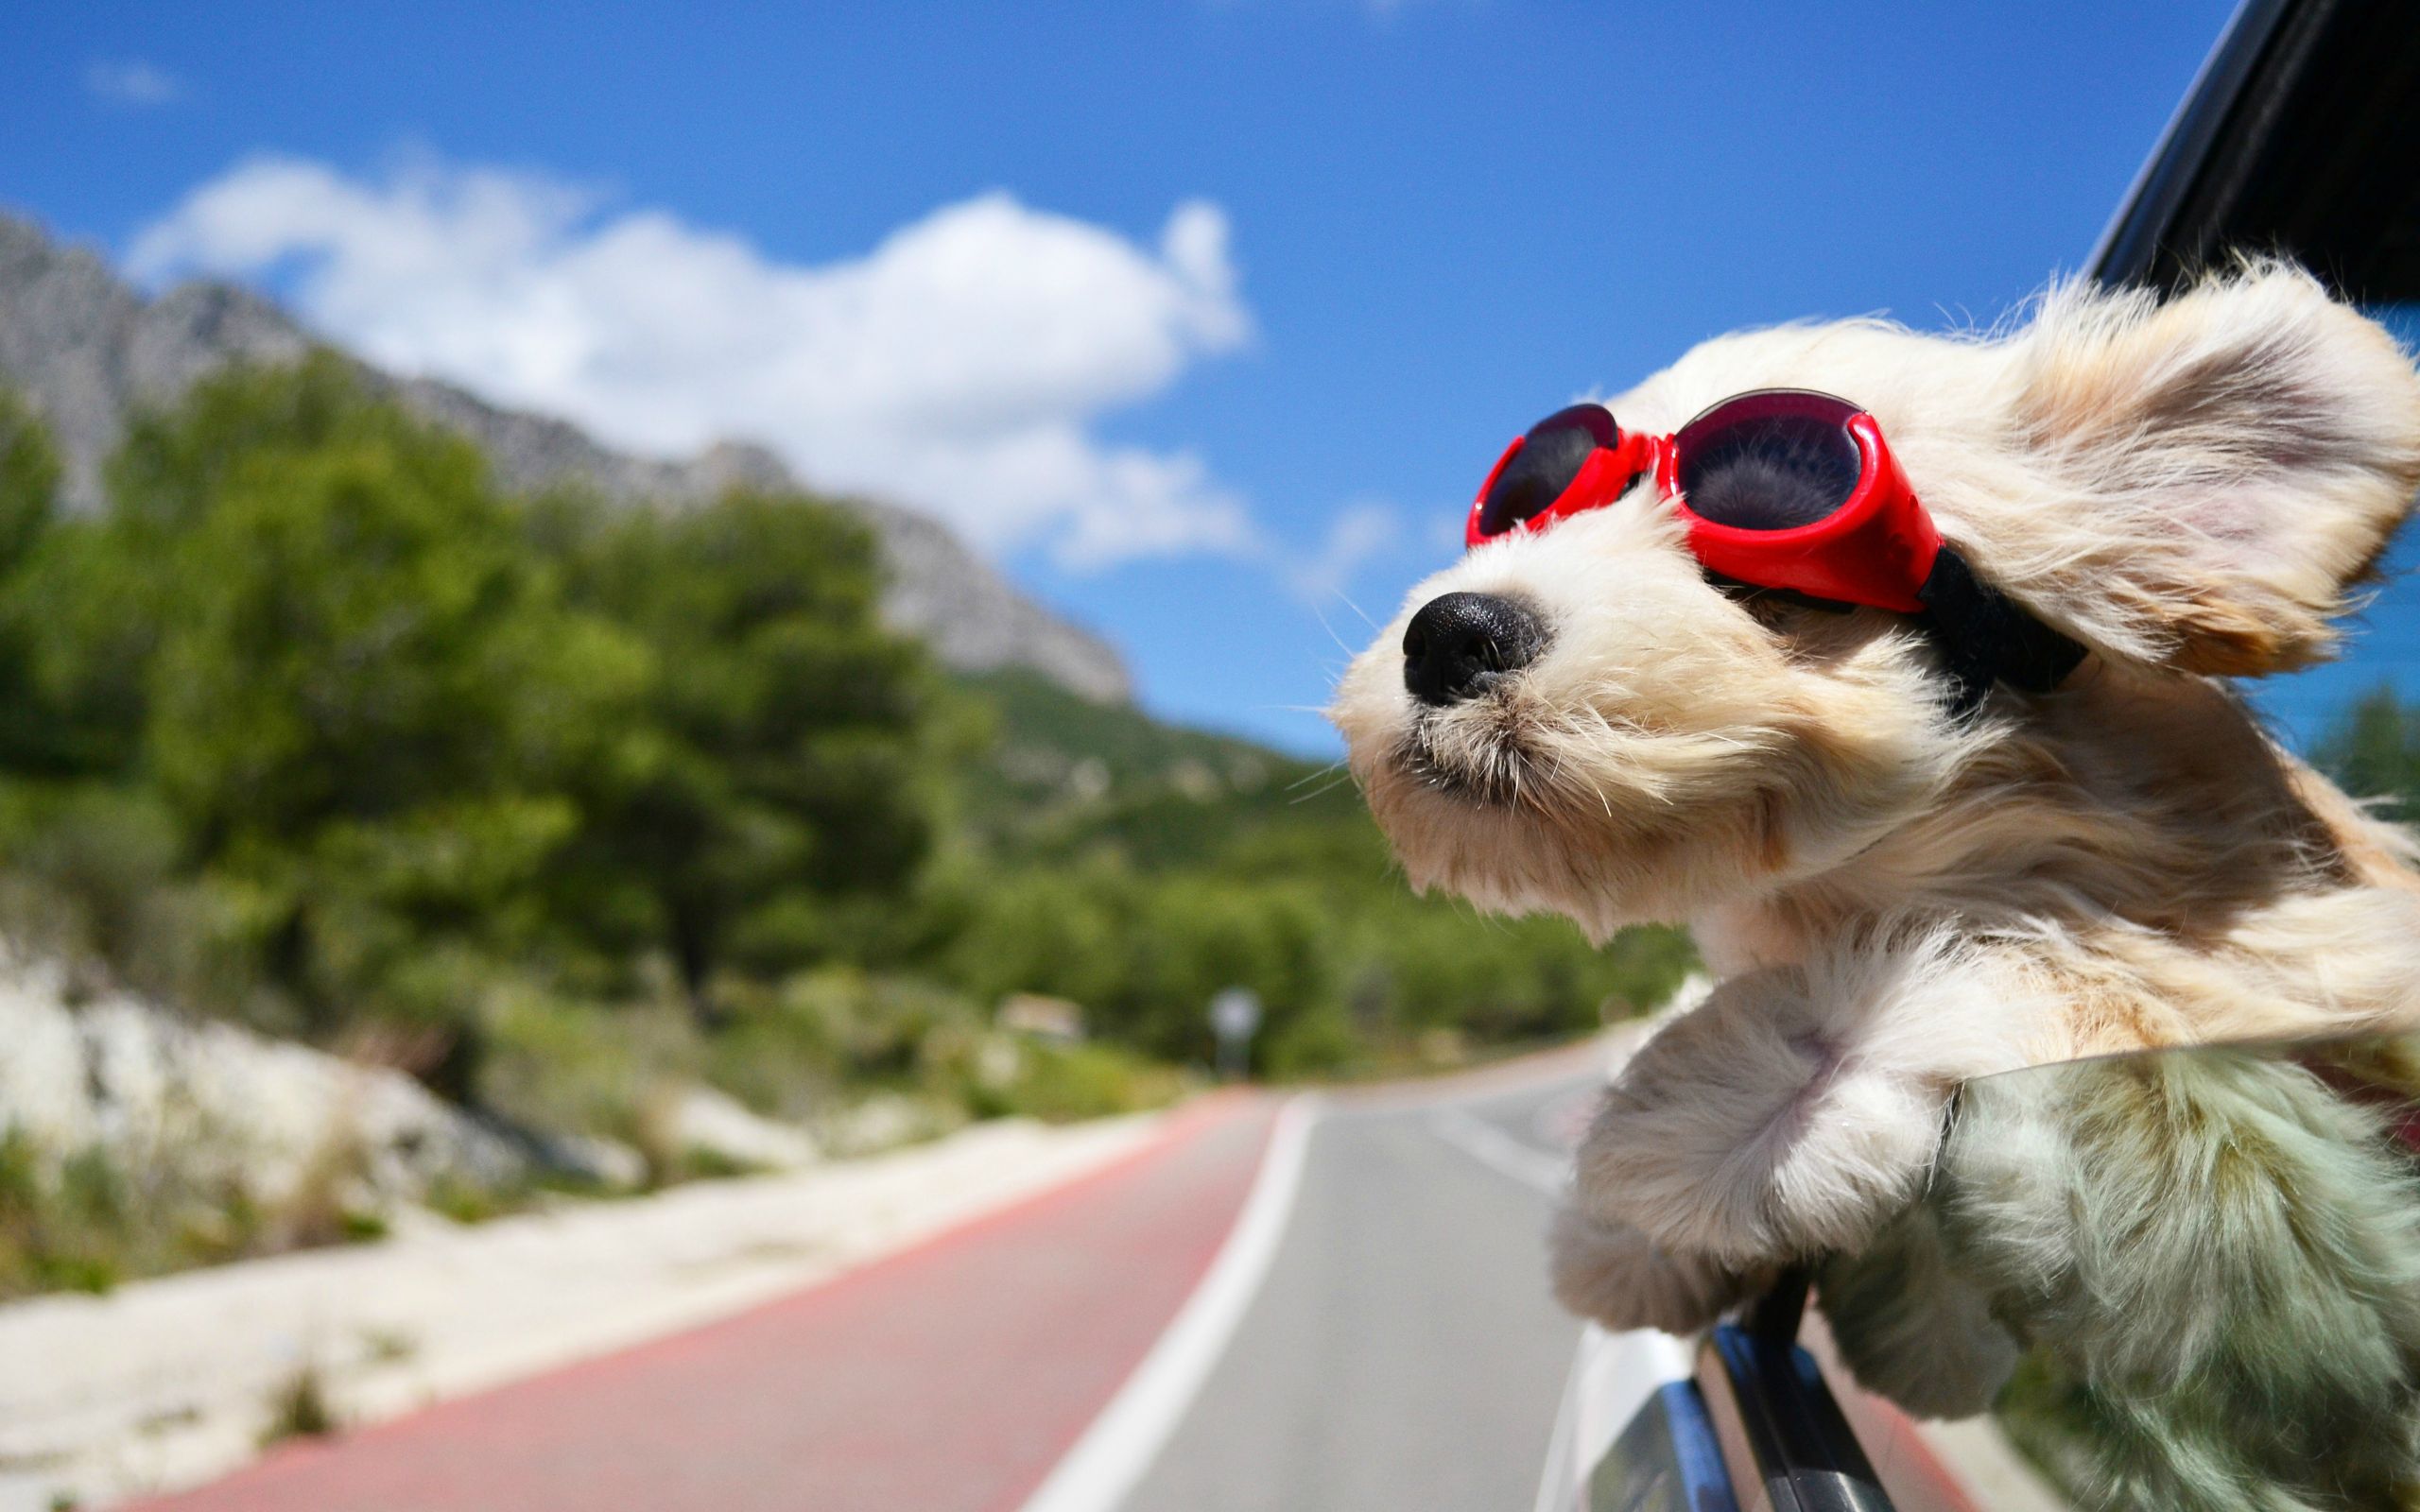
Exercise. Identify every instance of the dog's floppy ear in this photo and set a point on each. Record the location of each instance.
(2222, 465)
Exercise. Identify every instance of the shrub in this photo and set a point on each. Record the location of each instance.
(1060, 1083)
(566, 1067)
(298, 1408)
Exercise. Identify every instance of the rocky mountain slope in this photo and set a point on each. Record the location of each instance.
(86, 348)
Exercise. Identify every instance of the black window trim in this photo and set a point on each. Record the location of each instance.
(2247, 72)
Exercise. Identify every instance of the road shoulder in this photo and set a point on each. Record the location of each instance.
(170, 1382)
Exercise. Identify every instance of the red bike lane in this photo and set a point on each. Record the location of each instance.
(947, 1378)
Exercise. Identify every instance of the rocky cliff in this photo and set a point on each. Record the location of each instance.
(86, 348)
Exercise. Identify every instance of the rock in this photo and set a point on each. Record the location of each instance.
(87, 349)
(1041, 1016)
(705, 1121)
(591, 1159)
(219, 1104)
(882, 1122)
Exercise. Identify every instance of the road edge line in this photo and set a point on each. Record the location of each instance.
(1112, 1457)
(1500, 1152)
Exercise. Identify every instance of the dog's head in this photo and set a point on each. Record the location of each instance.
(1581, 720)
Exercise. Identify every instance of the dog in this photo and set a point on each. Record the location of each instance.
(1902, 879)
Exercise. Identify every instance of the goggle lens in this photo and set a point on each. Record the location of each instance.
(1772, 460)
(1544, 465)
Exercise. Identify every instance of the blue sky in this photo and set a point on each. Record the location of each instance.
(1259, 287)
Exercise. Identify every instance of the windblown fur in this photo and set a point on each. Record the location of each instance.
(1898, 900)
(2216, 1259)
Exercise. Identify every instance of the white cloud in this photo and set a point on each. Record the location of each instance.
(1359, 532)
(961, 364)
(133, 82)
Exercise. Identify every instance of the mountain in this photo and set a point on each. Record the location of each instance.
(86, 348)
(1062, 775)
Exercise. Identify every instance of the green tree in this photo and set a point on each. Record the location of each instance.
(784, 798)
(30, 474)
(29, 480)
(1061, 931)
(98, 592)
(1198, 935)
(358, 688)
(2372, 750)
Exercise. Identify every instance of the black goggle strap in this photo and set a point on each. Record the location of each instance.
(1988, 637)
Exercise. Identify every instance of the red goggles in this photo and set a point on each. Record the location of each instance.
(1781, 488)
(1784, 488)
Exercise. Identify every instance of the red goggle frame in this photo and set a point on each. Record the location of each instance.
(1780, 487)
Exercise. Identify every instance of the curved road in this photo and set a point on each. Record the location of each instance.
(1402, 1353)
(1399, 1351)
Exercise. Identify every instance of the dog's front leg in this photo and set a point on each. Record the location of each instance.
(1796, 1111)
(1614, 1274)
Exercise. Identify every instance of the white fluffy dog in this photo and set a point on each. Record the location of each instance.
(1897, 896)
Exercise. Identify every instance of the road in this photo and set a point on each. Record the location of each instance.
(1393, 1347)
(1402, 1353)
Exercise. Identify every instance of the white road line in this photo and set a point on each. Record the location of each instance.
(1119, 1448)
(1500, 1152)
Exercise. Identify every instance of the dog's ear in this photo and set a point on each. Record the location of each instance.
(2223, 466)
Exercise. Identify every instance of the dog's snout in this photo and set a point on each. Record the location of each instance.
(1460, 643)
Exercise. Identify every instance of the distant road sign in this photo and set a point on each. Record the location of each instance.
(1235, 1016)
(1235, 1013)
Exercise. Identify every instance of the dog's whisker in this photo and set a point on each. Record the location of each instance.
(1341, 781)
(1313, 777)
(1321, 615)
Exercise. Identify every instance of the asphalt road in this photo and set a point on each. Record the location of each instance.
(1402, 1353)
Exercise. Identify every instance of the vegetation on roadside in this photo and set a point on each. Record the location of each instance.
(87, 1219)
(298, 1408)
(2374, 753)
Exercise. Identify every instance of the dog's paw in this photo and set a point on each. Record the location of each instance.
(1764, 1125)
(1616, 1275)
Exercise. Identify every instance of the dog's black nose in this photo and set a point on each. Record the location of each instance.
(1460, 643)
